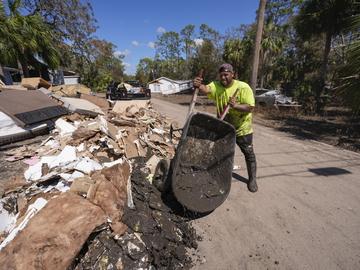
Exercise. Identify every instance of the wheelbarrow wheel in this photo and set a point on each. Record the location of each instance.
(160, 180)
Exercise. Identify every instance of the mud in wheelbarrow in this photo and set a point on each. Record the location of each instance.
(200, 173)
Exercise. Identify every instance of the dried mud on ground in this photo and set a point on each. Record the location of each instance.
(336, 127)
(157, 236)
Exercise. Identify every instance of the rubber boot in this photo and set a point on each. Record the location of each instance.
(251, 168)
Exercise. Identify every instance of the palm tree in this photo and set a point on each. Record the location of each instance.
(234, 53)
(271, 46)
(23, 38)
(328, 17)
(350, 80)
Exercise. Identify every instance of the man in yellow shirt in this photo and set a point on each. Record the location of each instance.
(239, 115)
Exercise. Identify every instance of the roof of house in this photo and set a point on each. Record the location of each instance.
(170, 80)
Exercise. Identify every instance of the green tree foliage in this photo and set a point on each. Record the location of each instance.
(350, 73)
(206, 58)
(178, 56)
(327, 18)
(237, 52)
(72, 22)
(102, 66)
(272, 45)
(292, 53)
(168, 51)
(209, 34)
(23, 38)
(168, 46)
(187, 38)
(145, 70)
(278, 43)
(238, 48)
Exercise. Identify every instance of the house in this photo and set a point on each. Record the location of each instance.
(60, 77)
(168, 86)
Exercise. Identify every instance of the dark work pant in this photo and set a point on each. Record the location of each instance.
(246, 147)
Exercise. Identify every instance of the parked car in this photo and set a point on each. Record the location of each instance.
(127, 90)
(267, 97)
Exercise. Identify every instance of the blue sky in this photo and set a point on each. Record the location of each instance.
(134, 25)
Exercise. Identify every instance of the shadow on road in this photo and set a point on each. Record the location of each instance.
(239, 178)
(328, 171)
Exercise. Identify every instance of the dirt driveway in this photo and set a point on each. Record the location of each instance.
(306, 214)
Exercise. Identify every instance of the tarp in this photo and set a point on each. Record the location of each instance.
(29, 107)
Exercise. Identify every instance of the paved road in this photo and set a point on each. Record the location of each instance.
(306, 214)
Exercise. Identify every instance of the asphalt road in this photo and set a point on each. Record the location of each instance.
(306, 214)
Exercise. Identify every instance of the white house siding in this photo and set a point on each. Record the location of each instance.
(155, 87)
(71, 79)
(167, 86)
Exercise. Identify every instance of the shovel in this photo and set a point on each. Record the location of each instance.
(191, 107)
(196, 92)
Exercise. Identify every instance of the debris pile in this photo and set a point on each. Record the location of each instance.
(85, 200)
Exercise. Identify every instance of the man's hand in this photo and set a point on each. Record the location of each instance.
(232, 102)
(197, 82)
(240, 107)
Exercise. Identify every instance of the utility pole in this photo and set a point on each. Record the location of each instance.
(259, 30)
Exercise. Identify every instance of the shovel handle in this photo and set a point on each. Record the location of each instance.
(227, 107)
(196, 92)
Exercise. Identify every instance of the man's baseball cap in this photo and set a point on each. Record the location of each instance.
(226, 68)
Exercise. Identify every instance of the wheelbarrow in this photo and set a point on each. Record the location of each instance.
(199, 175)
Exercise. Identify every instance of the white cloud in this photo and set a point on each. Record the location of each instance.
(161, 30)
(124, 53)
(151, 45)
(135, 43)
(127, 65)
(198, 41)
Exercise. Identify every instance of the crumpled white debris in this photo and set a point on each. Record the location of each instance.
(64, 128)
(67, 155)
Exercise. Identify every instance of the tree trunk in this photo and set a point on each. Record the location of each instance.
(2, 74)
(260, 25)
(23, 64)
(323, 72)
(262, 64)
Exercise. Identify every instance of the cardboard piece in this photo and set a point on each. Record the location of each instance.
(81, 106)
(121, 105)
(110, 193)
(12, 87)
(70, 90)
(101, 102)
(34, 83)
(82, 185)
